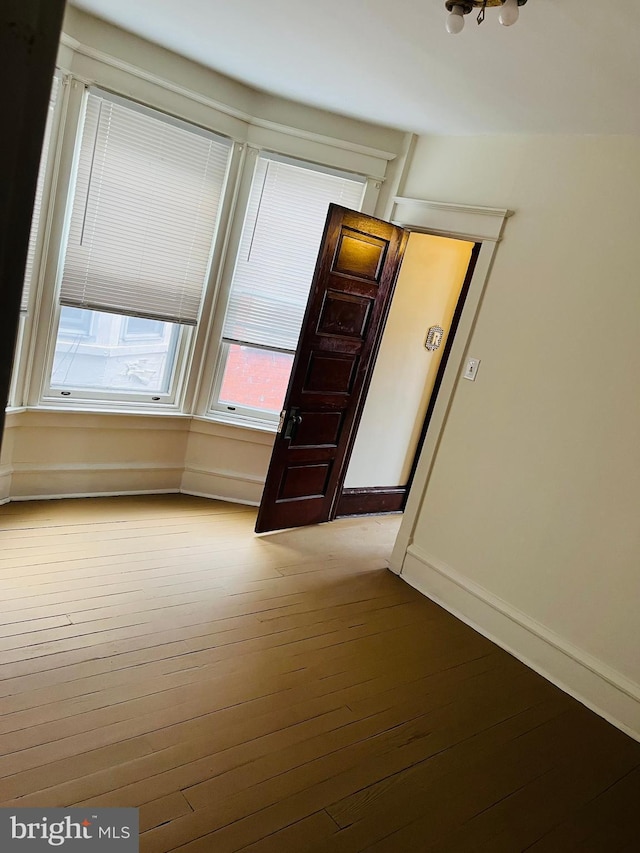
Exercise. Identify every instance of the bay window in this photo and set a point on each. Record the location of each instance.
(177, 262)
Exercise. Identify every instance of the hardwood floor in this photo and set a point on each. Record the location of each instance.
(283, 693)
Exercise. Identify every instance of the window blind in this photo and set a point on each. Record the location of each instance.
(37, 204)
(144, 214)
(278, 249)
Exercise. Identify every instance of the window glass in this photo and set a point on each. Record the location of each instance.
(74, 322)
(94, 351)
(255, 378)
(137, 328)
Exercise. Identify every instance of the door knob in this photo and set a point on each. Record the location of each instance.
(294, 420)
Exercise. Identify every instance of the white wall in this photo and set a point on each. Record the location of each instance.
(148, 66)
(533, 501)
(6, 456)
(426, 294)
(51, 454)
(226, 462)
(54, 454)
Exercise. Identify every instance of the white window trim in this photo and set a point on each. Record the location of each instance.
(27, 325)
(16, 384)
(45, 319)
(195, 364)
(95, 67)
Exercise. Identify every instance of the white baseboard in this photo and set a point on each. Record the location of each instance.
(218, 498)
(222, 485)
(589, 680)
(115, 494)
(5, 484)
(36, 482)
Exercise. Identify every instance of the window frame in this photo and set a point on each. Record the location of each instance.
(214, 408)
(119, 397)
(245, 414)
(174, 399)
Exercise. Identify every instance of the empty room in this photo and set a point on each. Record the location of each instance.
(319, 483)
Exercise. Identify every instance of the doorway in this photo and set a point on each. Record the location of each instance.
(429, 295)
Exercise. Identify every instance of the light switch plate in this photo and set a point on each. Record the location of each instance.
(471, 369)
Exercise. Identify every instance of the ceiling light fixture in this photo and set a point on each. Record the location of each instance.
(509, 10)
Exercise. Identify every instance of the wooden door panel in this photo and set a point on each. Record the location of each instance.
(344, 315)
(359, 255)
(318, 429)
(330, 373)
(349, 300)
(308, 480)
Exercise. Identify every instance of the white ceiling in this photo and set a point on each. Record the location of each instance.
(567, 66)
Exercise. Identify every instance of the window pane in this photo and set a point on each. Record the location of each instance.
(94, 351)
(74, 321)
(140, 327)
(255, 378)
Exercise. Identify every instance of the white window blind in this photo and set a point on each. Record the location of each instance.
(144, 214)
(278, 249)
(37, 204)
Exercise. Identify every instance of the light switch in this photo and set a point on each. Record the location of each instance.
(471, 369)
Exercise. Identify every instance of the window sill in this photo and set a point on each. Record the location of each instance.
(245, 429)
(238, 421)
(133, 411)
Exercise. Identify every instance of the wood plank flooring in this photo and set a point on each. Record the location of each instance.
(279, 694)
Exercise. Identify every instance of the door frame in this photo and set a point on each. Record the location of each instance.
(482, 225)
(451, 336)
(377, 500)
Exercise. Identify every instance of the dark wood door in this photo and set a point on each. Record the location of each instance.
(349, 301)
